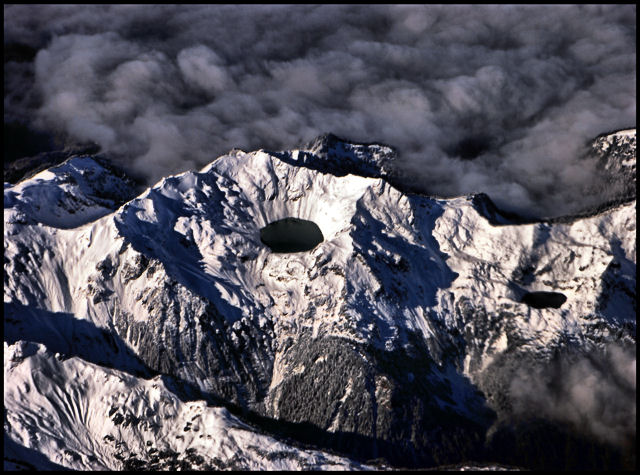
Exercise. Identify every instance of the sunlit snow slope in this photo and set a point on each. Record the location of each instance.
(384, 341)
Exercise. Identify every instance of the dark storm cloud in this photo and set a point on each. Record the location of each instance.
(499, 99)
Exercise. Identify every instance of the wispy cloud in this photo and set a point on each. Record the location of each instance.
(595, 392)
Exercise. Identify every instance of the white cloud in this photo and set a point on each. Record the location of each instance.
(526, 85)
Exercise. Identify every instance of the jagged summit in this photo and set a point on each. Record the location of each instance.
(331, 154)
(79, 190)
(616, 153)
(617, 160)
(25, 167)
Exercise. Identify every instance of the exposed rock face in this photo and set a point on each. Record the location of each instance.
(394, 336)
(616, 164)
(617, 158)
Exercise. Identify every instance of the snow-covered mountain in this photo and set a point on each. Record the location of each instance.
(130, 322)
(616, 153)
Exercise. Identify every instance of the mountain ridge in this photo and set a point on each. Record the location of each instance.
(407, 303)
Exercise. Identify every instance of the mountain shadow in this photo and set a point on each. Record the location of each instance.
(64, 333)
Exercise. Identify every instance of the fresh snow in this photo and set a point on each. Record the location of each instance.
(87, 417)
(392, 265)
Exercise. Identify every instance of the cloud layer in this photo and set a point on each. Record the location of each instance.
(495, 99)
(595, 393)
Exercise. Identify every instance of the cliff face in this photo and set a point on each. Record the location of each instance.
(400, 336)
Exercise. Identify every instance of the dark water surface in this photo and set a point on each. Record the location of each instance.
(291, 235)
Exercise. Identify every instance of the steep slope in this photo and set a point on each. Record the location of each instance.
(86, 417)
(617, 158)
(78, 191)
(395, 337)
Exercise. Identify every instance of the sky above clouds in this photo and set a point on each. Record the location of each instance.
(475, 98)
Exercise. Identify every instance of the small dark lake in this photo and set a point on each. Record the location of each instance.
(291, 235)
(544, 299)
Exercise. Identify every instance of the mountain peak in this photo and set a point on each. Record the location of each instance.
(79, 190)
(329, 153)
(617, 161)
